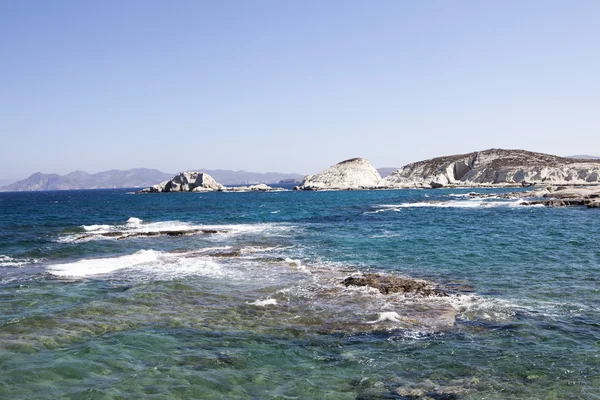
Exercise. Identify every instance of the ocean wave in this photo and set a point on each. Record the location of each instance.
(6, 261)
(242, 265)
(263, 303)
(135, 227)
(385, 234)
(472, 203)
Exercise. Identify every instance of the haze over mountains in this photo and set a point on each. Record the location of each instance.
(144, 177)
(133, 178)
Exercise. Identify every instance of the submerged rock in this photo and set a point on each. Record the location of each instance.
(387, 284)
(352, 174)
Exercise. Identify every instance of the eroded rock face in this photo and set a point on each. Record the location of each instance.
(186, 182)
(352, 174)
(201, 182)
(564, 197)
(393, 284)
(494, 167)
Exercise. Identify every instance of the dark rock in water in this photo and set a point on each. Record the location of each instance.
(393, 284)
(559, 202)
(594, 204)
(120, 235)
(226, 254)
(436, 185)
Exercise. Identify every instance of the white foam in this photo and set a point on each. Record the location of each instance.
(475, 203)
(133, 221)
(6, 261)
(385, 234)
(488, 309)
(136, 226)
(384, 208)
(298, 264)
(390, 316)
(91, 228)
(99, 266)
(263, 303)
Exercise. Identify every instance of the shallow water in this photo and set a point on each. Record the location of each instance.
(106, 294)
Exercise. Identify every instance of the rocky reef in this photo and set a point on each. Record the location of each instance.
(352, 174)
(201, 182)
(494, 167)
(564, 197)
(388, 284)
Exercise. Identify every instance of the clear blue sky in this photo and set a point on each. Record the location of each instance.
(291, 86)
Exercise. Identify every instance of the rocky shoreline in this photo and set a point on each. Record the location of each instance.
(488, 168)
(493, 168)
(563, 196)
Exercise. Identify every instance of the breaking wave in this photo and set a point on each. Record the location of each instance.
(135, 227)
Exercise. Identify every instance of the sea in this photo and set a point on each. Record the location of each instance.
(108, 294)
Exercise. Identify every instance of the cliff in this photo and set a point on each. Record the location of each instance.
(355, 173)
(495, 167)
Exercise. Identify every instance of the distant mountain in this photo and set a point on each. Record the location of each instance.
(584, 157)
(134, 178)
(137, 177)
(228, 177)
(4, 182)
(385, 171)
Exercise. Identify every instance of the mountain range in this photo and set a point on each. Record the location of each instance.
(134, 178)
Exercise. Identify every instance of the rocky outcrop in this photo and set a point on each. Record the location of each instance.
(564, 197)
(388, 284)
(202, 182)
(186, 182)
(352, 174)
(495, 167)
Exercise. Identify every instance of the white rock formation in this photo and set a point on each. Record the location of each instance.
(494, 167)
(261, 187)
(355, 173)
(187, 182)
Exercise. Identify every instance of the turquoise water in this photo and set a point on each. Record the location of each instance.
(109, 295)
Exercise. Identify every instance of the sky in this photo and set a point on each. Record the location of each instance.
(291, 86)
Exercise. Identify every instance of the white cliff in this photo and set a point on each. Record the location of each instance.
(494, 167)
(355, 173)
(202, 182)
(186, 182)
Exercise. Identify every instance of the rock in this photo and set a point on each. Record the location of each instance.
(186, 182)
(261, 187)
(352, 174)
(569, 193)
(495, 167)
(563, 197)
(594, 204)
(388, 284)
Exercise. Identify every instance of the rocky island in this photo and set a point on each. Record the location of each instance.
(352, 174)
(495, 167)
(488, 168)
(192, 181)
